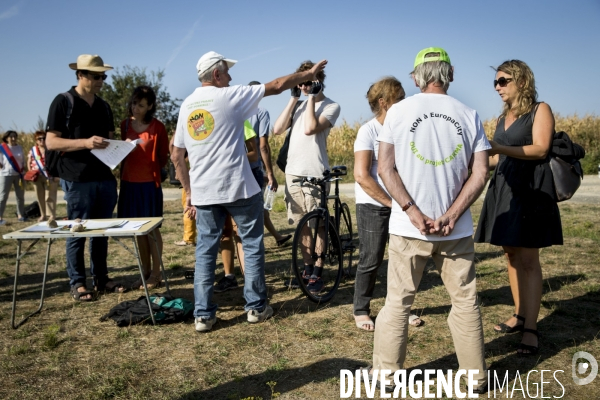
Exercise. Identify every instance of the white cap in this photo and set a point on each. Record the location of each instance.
(209, 59)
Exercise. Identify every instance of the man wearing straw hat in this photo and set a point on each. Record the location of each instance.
(79, 121)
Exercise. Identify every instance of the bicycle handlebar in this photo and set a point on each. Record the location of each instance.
(328, 176)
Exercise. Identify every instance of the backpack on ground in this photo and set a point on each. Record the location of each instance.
(32, 210)
(166, 310)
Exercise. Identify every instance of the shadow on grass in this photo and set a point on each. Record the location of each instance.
(573, 323)
(287, 380)
(490, 297)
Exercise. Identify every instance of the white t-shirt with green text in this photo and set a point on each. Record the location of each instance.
(434, 138)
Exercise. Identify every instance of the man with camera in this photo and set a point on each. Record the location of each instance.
(310, 123)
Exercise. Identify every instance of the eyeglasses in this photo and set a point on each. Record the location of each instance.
(41, 138)
(307, 83)
(502, 81)
(96, 77)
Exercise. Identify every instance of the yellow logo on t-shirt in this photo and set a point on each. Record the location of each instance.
(200, 124)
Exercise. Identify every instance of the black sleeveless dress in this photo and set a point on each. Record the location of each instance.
(520, 207)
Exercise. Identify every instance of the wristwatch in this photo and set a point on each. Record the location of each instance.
(407, 206)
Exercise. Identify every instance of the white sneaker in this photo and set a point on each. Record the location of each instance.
(254, 316)
(204, 325)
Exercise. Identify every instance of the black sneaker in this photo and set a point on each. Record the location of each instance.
(294, 284)
(225, 283)
(315, 285)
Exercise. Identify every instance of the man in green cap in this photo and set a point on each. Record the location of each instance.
(428, 144)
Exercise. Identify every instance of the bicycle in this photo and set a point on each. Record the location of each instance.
(324, 239)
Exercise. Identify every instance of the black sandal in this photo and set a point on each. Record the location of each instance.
(531, 350)
(511, 329)
(77, 295)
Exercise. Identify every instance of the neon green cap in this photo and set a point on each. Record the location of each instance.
(439, 55)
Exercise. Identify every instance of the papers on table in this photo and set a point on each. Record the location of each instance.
(65, 226)
(129, 226)
(116, 151)
(39, 228)
(91, 224)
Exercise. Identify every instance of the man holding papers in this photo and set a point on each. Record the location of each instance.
(78, 122)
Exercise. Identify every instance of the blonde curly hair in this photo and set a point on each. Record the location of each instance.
(523, 78)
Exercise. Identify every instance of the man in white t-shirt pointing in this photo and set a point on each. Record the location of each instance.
(211, 128)
(427, 146)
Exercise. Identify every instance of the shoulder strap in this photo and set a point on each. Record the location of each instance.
(70, 102)
(294, 112)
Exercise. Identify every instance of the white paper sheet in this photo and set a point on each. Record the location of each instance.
(116, 151)
(39, 228)
(43, 226)
(129, 226)
(92, 225)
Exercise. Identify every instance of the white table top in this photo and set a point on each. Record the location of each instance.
(143, 230)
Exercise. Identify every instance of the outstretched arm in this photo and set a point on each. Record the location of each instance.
(278, 85)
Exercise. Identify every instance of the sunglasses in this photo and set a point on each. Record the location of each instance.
(307, 83)
(41, 138)
(97, 77)
(502, 81)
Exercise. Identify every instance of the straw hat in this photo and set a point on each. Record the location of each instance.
(90, 62)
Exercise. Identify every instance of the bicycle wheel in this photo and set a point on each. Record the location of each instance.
(346, 236)
(311, 247)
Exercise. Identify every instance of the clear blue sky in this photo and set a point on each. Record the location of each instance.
(363, 41)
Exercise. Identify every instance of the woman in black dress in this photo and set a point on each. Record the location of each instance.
(520, 212)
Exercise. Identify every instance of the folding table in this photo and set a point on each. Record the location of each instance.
(147, 229)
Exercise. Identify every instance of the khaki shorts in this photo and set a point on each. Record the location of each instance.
(301, 200)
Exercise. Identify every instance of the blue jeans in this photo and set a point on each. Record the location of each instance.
(373, 225)
(88, 200)
(249, 216)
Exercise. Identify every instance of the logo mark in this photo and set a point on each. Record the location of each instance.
(582, 368)
(200, 124)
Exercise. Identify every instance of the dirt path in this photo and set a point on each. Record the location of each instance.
(588, 193)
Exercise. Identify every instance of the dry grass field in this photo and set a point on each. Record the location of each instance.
(67, 353)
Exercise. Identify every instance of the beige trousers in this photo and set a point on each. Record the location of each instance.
(41, 184)
(454, 261)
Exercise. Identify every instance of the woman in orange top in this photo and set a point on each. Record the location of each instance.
(141, 194)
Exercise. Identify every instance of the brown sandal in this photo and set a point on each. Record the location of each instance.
(153, 282)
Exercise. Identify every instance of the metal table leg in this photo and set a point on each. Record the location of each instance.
(162, 267)
(137, 255)
(19, 256)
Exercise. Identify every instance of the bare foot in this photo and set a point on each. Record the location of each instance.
(414, 320)
(82, 289)
(42, 218)
(364, 322)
